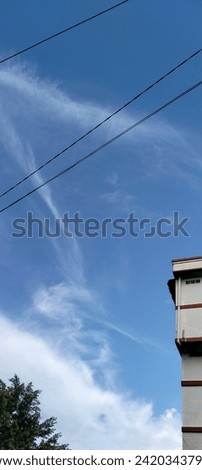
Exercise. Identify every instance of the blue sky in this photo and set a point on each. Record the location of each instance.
(90, 320)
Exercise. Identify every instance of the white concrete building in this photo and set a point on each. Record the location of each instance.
(186, 291)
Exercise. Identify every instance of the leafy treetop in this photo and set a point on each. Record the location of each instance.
(21, 426)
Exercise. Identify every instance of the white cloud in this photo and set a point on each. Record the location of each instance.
(58, 300)
(112, 196)
(37, 97)
(112, 179)
(89, 416)
(37, 115)
(71, 305)
(120, 199)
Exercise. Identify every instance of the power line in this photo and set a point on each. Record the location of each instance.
(101, 147)
(100, 123)
(63, 31)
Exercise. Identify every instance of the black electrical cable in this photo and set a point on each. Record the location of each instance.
(78, 162)
(102, 122)
(26, 49)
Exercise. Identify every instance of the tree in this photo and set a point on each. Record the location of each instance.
(20, 419)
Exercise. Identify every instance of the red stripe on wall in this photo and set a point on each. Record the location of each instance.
(191, 383)
(192, 429)
(185, 307)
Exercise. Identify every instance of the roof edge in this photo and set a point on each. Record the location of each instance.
(176, 260)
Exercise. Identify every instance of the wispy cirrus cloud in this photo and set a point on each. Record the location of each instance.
(72, 305)
(33, 99)
(112, 179)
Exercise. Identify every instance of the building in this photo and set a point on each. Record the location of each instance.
(186, 292)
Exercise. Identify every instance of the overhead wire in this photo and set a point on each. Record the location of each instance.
(152, 85)
(101, 147)
(63, 31)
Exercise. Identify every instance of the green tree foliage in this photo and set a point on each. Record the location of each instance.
(21, 426)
